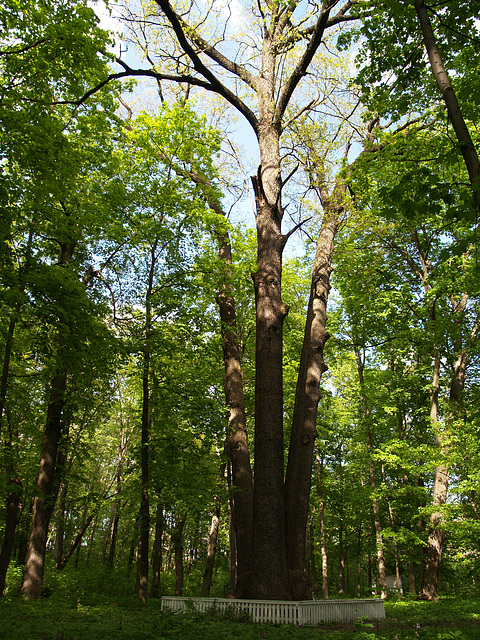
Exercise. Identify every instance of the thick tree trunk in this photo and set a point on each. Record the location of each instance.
(307, 396)
(270, 563)
(270, 572)
(47, 484)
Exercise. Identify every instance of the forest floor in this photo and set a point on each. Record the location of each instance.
(57, 618)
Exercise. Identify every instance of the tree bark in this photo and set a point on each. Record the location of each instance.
(462, 133)
(178, 550)
(43, 504)
(144, 539)
(270, 561)
(269, 578)
(60, 531)
(237, 440)
(236, 445)
(321, 517)
(76, 542)
(157, 551)
(307, 396)
(14, 494)
(437, 534)
(312, 572)
(382, 572)
(211, 549)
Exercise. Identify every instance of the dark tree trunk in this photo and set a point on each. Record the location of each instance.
(237, 441)
(341, 562)
(178, 550)
(270, 561)
(382, 572)
(307, 396)
(45, 498)
(212, 548)
(75, 543)
(114, 536)
(439, 72)
(12, 503)
(312, 573)
(157, 551)
(90, 541)
(359, 562)
(321, 517)
(236, 445)
(60, 531)
(437, 535)
(144, 539)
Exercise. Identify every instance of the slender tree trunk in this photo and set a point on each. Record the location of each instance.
(237, 441)
(14, 484)
(462, 133)
(382, 572)
(359, 562)
(13, 502)
(108, 534)
(117, 504)
(211, 549)
(178, 550)
(411, 578)
(75, 542)
(157, 551)
(142, 567)
(312, 574)
(321, 517)
(436, 537)
(341, 561)
(113, 538)
(60, 531)
(90, 541)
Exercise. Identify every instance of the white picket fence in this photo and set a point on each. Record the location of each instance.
(304, 612)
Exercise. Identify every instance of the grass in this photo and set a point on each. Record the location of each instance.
(56, 618)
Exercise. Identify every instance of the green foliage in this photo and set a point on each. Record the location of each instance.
(54, 618)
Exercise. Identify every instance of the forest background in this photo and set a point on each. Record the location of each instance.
(132, 325)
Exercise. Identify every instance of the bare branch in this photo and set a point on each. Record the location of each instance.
(302, 66)
(214, 83)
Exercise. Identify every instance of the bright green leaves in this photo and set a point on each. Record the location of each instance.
(393, 69)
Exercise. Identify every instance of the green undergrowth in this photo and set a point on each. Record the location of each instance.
(56, 618)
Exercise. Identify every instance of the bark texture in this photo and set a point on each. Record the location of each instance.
(440, 74)
(45, 494)
(307, 396)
